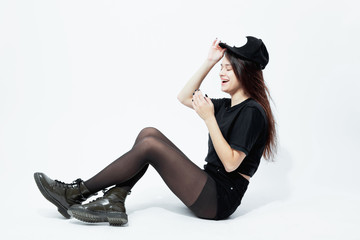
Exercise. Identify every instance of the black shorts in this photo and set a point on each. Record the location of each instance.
(230, 188)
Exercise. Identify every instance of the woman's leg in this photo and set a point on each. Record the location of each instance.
(181, 175)
(153, 132)
(146, 132)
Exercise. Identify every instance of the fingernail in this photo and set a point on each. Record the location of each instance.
(206, 95)
(193, 93)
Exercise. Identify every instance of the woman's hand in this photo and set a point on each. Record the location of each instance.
(216, 52)
(203, 106)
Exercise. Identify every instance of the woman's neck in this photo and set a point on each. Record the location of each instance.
(238, 97)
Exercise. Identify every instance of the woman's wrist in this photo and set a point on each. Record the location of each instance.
(208, 121)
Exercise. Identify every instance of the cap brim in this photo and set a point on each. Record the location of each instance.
(243, 53)
(233, 51)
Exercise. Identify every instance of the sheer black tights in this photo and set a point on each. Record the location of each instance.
(186, 180)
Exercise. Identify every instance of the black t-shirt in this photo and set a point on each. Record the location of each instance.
(244, 127)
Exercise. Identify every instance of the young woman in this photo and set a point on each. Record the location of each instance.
(241, 131)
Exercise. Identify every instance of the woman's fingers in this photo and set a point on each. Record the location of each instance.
(193, 104)
(194, 100)
(201, 97)
(217, 43)
(214, 43)
(198, 97)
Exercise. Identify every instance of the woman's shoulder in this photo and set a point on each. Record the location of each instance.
(252, 103)
(254, 106)
(220, 102)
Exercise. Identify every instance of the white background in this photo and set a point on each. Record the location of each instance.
(80, 79)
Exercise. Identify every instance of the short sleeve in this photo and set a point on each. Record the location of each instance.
(217, 102)
(246, 129)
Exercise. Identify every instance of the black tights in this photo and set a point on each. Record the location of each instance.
(194, 187)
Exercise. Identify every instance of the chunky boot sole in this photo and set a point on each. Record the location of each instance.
(61, 208)
(113, 218)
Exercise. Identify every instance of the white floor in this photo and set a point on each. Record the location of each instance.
(268, 211)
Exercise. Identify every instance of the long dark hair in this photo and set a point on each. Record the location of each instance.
(251, 77)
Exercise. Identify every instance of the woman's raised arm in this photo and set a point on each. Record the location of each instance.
(215, 54)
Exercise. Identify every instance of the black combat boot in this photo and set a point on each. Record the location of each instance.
(62, 195)
(108, 208)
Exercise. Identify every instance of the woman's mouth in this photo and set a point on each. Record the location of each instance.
(223, 82)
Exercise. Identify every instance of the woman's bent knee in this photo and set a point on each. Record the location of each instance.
(149, 143)
(149, 131)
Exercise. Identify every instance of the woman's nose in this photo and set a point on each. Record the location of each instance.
(221, 73)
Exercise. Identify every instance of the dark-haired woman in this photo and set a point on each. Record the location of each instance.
(241, 131)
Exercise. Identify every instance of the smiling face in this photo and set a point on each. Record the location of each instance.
(229, 82)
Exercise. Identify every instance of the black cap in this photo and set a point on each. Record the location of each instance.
(254, 51)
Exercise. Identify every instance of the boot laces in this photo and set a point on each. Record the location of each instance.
(74, 184)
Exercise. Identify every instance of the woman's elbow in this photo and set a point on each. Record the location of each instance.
(180, 98)
(230, 168)
(238, 157)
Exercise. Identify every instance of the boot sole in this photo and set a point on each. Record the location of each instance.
(61, 208)
(113, 218)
